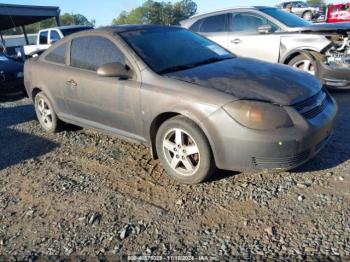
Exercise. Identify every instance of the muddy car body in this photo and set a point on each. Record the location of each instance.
(273, 35)
(197, 105)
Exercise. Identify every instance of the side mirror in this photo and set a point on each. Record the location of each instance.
(115, 70)
(264, 29)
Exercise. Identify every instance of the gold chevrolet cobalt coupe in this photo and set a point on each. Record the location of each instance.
(196, 105)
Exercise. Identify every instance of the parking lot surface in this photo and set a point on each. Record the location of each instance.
(84, 194)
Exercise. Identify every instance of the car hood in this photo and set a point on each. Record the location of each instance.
(325, 28)
(9, 65)
(252, 79)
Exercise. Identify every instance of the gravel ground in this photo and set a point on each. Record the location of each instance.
(85, 195)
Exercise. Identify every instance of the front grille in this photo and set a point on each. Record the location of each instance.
(280, 162)
(313, 106)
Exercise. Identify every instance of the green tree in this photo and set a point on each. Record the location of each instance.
(154, 12)
(76, 19)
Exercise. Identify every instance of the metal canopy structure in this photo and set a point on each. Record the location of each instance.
(21, 15)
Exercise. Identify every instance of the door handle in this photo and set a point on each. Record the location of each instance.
(71, 83)
(236, 41)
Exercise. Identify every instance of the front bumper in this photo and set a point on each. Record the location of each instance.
(239, 148)
(333, 77)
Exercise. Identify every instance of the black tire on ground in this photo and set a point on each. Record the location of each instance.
(57, 124)
(206, 165)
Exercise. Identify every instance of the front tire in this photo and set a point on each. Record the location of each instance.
(46, 115)
(184, 151)
(307, 16)
(303, 63)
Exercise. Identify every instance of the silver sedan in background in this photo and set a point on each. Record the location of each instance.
(273, 35)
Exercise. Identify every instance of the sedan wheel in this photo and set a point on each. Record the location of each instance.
(181, 152)
(307, 16)
(304, 64)
(184, 151)
(45, 113)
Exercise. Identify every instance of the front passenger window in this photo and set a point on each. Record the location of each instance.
(249, 23)
(90, 52)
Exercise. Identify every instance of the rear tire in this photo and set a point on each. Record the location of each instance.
(184, 151)
(46, 115)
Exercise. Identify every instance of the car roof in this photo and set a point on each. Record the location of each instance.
(231, 9)
(115, 29)
(67, 27)
(127, 28)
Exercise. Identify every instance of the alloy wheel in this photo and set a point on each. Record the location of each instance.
(307, 16)
(181, 152)
(305, 65)
(45, 113)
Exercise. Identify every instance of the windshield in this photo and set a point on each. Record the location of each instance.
(170, 49)
(301, 4)
(69, 31)
(286, 18)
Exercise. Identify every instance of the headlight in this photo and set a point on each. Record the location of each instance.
(258, 115)
(20, 75)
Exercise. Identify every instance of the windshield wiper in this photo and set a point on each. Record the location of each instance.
(184, 67)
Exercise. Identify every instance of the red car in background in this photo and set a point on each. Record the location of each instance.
(338, 13)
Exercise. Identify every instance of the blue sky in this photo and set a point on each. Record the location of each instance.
(104, 11)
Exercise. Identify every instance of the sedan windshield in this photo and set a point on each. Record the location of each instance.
(286, 18)
(170, 49)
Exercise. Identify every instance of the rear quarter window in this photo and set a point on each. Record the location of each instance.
(57, 55)
(213, 24)
(196, 26)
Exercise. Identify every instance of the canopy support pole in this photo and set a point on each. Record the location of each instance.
(58, 20)
(25, 34)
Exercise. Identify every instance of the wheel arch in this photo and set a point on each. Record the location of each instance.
(307, 11)
(294, 53)
(161, 118)
(35, 91)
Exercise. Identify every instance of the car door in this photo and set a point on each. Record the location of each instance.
(56, 63)
(245, 40)
(213, 27)
(107, 103)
